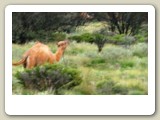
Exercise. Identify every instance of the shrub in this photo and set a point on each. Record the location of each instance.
(121, 39)
(141, 38)
(140, 50)
(86, 37)
(117, 39)
(76, 37)
(115, 52)
(49, 76)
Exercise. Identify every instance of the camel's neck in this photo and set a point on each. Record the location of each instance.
(59, 54)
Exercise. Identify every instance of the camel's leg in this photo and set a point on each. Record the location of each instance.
(30, 62)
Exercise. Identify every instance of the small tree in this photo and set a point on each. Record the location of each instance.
(127, 23)
(99, 40)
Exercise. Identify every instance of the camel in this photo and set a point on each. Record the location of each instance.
(40, 54)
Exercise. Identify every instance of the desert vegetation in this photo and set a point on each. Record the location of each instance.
(102, 58)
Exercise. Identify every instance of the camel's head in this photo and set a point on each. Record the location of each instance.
(63, 44)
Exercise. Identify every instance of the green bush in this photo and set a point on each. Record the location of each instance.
(141, 38)
(117, 39)
(49, 76)
(86, 37)
(121, 39)
(76, 37)
(98, 37)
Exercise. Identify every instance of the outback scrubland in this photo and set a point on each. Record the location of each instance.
(97, 61)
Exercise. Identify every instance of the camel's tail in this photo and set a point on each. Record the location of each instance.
(19, 62)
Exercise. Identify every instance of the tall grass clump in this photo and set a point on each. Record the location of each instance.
(54, 77)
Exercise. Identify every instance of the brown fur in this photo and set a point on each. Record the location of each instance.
(40, 54)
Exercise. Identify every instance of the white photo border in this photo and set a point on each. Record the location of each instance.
(79, 104)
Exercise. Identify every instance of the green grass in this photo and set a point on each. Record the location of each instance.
(116, 70)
